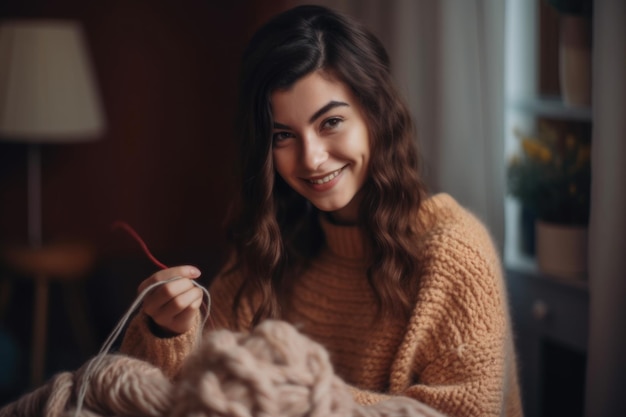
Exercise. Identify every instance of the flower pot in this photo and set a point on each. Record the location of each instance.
(561, 250)
(575, 60)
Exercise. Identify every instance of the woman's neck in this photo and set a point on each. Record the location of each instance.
(348, 215)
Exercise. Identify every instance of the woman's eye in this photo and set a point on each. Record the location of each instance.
(332, 123)
(281, 136)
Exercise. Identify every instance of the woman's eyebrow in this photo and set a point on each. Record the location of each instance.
(281, 126)
(330, 105)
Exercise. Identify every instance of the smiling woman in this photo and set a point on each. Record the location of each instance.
(321, 145)
(334, 232)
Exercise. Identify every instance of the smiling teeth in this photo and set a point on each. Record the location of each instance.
(326, 178)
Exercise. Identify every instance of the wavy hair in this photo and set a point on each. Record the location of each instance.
(275, 230)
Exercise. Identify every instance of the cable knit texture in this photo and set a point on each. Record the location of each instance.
(454, 352)
(273, 371)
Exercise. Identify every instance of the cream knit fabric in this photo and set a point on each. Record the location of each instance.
(273, 371)
(455, 352)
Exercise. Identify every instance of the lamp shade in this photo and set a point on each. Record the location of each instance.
(47, 87)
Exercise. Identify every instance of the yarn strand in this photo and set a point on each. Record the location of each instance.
(117, 330)
(135, 235)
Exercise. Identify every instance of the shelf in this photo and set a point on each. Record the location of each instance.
(552, 107)
(550, 307)
(527, 266)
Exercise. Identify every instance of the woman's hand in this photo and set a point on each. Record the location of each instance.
(173, 306)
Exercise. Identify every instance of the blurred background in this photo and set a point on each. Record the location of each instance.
(483, 79)
(162, 160)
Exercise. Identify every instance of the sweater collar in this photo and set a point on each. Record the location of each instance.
(351, 242)
(344, 241)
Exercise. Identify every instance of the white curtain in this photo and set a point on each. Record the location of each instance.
(448, 60)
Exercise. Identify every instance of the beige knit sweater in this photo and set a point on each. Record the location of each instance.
(455, 352)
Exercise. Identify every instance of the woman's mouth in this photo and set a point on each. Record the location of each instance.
(326, 178)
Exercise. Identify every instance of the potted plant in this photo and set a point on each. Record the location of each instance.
(574, 50)
(551, 176)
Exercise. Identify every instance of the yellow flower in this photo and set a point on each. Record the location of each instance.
(536, 150)
(570, 142)
(554, 163)
(545, 155)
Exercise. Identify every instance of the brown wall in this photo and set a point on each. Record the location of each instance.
(167, 71)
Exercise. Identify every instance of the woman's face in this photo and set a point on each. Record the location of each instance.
(321, 144)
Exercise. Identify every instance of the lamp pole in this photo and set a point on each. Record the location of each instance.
(34, 196)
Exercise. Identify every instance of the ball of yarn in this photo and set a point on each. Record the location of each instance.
(273, 371)
(127, 386)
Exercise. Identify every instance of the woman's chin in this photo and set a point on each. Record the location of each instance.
(341, 214)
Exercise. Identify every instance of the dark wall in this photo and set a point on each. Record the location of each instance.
(167, 72)
(166, 164)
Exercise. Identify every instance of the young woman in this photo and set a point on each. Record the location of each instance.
(335, 233)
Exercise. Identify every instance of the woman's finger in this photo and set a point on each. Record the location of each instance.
(164, 294)
(185, 271)
(177, 315)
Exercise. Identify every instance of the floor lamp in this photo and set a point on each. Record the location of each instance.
(48, 95)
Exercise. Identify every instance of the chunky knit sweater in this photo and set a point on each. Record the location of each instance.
(454, 352)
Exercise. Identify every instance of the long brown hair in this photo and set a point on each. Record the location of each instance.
(275, 230)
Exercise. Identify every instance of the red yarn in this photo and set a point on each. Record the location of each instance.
(135, 235)
(139, 240)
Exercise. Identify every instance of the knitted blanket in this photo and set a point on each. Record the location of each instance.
(272, 371)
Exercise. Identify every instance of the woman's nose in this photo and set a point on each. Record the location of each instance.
(314, 152)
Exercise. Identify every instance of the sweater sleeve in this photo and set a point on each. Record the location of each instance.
(169, 353)
(166, 353)
(457, 353)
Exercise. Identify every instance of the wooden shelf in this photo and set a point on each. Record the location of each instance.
(552, 107)
(527, 266)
